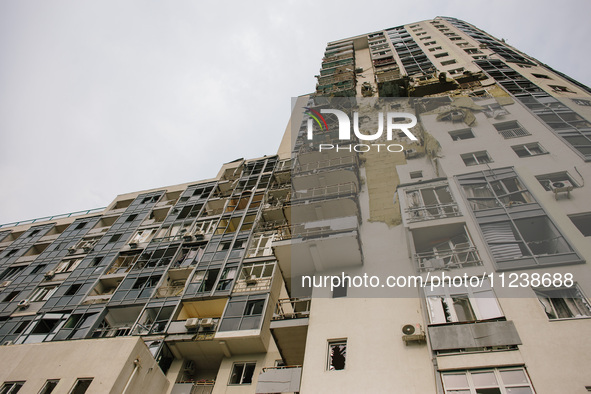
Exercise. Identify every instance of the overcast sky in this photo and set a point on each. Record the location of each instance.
(100, 98)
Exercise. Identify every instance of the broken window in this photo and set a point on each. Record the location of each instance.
(451, 304)
(123, 263)
(487, 381)
(154, 320)
(464, 134)
(431, 202)
(188, 257)
(205, 279)
(583, 222)
(337, 354)
(257, 270)
(260, 245)
(558, 88)
(11, 296)
(242, 373)
(505, 192)
(11, 272)
(563, 303)
(511, 129)
(435, 251)
(340, 291)
(43, 293)
(532, 149)
(475, 158)
(81, 386)
(156, 258)
(73, 289)
(225, 282)
(67, 265)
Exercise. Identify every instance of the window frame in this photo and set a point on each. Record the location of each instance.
(244, 365)
(332, 343)
(476, 156)
(78, 380)
(529, 149)
(571, 306)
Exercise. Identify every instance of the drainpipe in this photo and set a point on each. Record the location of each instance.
(136, 367)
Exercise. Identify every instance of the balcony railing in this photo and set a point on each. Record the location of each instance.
(292, 308)
(198, 387)
(54, 217)
(169, 291)
(337, 161)
(462, 255)
(428, 212)
(333, 191)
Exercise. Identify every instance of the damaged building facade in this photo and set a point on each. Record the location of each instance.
(196, 288)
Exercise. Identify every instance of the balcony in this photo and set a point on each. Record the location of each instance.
(279, 380)
(327, 202)
(289, 327)
(318, 246)
(444, 247)
(200, 387)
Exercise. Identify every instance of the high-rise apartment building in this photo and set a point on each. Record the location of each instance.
(322, 268)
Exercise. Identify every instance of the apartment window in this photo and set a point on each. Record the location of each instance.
(487, 381)
(11, 296)
(451, 304)
(244, 313)
(80, 225)
(38, 268)
(340, 291)
(556, 179)
(114, 238)
(430, 43)
(33, 233)
(526, 150)
(11, 387)
(425, 38)
(439, 55)
(73, 289)
(583, 222)
(67, 265)
(49, 386)
(150, 200)
(43, 293)
(563, 303)
(585, 103)
(242, 373)
(541, 76)
(448, 62)
(131, 218)
(475, 158)
(416, 174)
(434, 49)
(337, 354)
(81, 386)
(558, 88)
(464, 134)
(510, 130)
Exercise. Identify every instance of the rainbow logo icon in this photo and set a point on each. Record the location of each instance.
(315, 115)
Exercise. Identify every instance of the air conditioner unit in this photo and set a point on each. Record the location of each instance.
(192, 323)
(24, 304)
(87, 248)
(251, 280)
(413, 332)
(207, 323)
(133, 244)
(50, 274)
(188, 238)
(72, 250)
(561, 186)
(5, 283)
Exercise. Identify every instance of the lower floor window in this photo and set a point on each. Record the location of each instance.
(242, 373)
(563, 303)
(81, 386)
(487, 381)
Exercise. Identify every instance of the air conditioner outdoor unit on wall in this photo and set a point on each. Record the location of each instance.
(24, 304)
(50, 274)
(207, 323)
(192, 323)
(5, 283)
(413, 332)
(561, 186)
